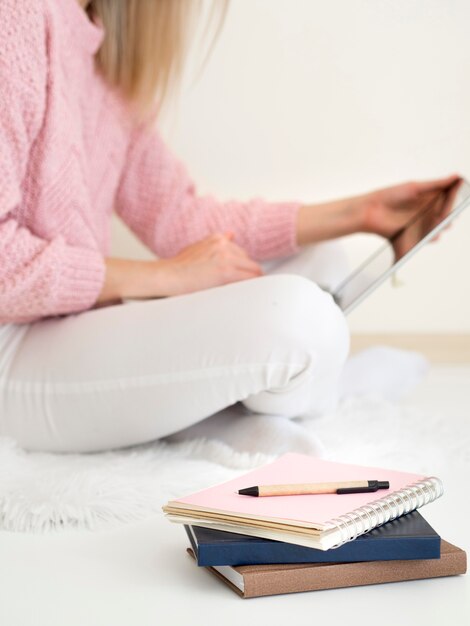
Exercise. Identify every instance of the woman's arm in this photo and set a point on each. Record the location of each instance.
(217, 260)
(319, 222)
(158, 200)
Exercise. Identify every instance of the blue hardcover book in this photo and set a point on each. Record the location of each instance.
(408, 537)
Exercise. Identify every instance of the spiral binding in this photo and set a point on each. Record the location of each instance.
(390, 507)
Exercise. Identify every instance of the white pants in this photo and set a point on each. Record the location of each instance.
(131, 373)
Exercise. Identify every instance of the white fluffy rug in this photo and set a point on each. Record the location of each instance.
(41, 492)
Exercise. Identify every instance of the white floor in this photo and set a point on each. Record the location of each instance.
(140, 575)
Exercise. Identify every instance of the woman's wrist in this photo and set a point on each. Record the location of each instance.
(128, 279)
(319, 222)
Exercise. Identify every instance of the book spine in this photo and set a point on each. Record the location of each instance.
(390, 507)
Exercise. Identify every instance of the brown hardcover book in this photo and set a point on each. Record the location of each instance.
(251, 581)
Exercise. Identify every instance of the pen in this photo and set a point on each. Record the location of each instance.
(350, 486)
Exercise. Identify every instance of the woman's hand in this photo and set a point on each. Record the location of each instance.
(214, 261)
(384, 212)
(423, 205)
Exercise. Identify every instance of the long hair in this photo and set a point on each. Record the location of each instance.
(146, 44)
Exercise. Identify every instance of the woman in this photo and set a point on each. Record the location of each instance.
(80, 371)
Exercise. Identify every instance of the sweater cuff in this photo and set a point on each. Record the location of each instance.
(275, 233)
(81, 279)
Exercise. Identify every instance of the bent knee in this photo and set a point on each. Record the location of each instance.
(298, 309)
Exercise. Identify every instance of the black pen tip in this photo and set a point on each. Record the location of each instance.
(249, 491)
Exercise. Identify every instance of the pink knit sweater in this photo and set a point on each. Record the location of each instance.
(70, 154)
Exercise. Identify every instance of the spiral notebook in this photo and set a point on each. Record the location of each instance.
(319, 521)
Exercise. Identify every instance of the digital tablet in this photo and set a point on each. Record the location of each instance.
(396, 252)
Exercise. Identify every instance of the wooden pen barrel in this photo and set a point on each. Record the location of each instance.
(308, 488)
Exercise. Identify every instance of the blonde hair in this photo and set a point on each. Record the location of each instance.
(146, 44)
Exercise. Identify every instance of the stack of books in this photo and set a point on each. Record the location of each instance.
(273, 544)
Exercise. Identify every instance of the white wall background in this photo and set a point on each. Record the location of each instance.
(312, 100)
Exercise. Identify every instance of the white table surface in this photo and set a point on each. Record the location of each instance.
(141, 575)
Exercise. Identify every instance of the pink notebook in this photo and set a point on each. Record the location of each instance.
(407, 492)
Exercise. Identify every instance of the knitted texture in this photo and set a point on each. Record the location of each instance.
(71, 153)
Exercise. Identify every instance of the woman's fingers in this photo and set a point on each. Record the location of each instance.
(443, 206)
(234, 256)
(438, 184)
(239, 253)
(213, 261)
(240, 274)
(450, 198)
(438, 203)
(244, 263)
(251, 267)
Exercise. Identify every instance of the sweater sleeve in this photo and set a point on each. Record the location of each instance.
(158, 201)
(38, 278)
